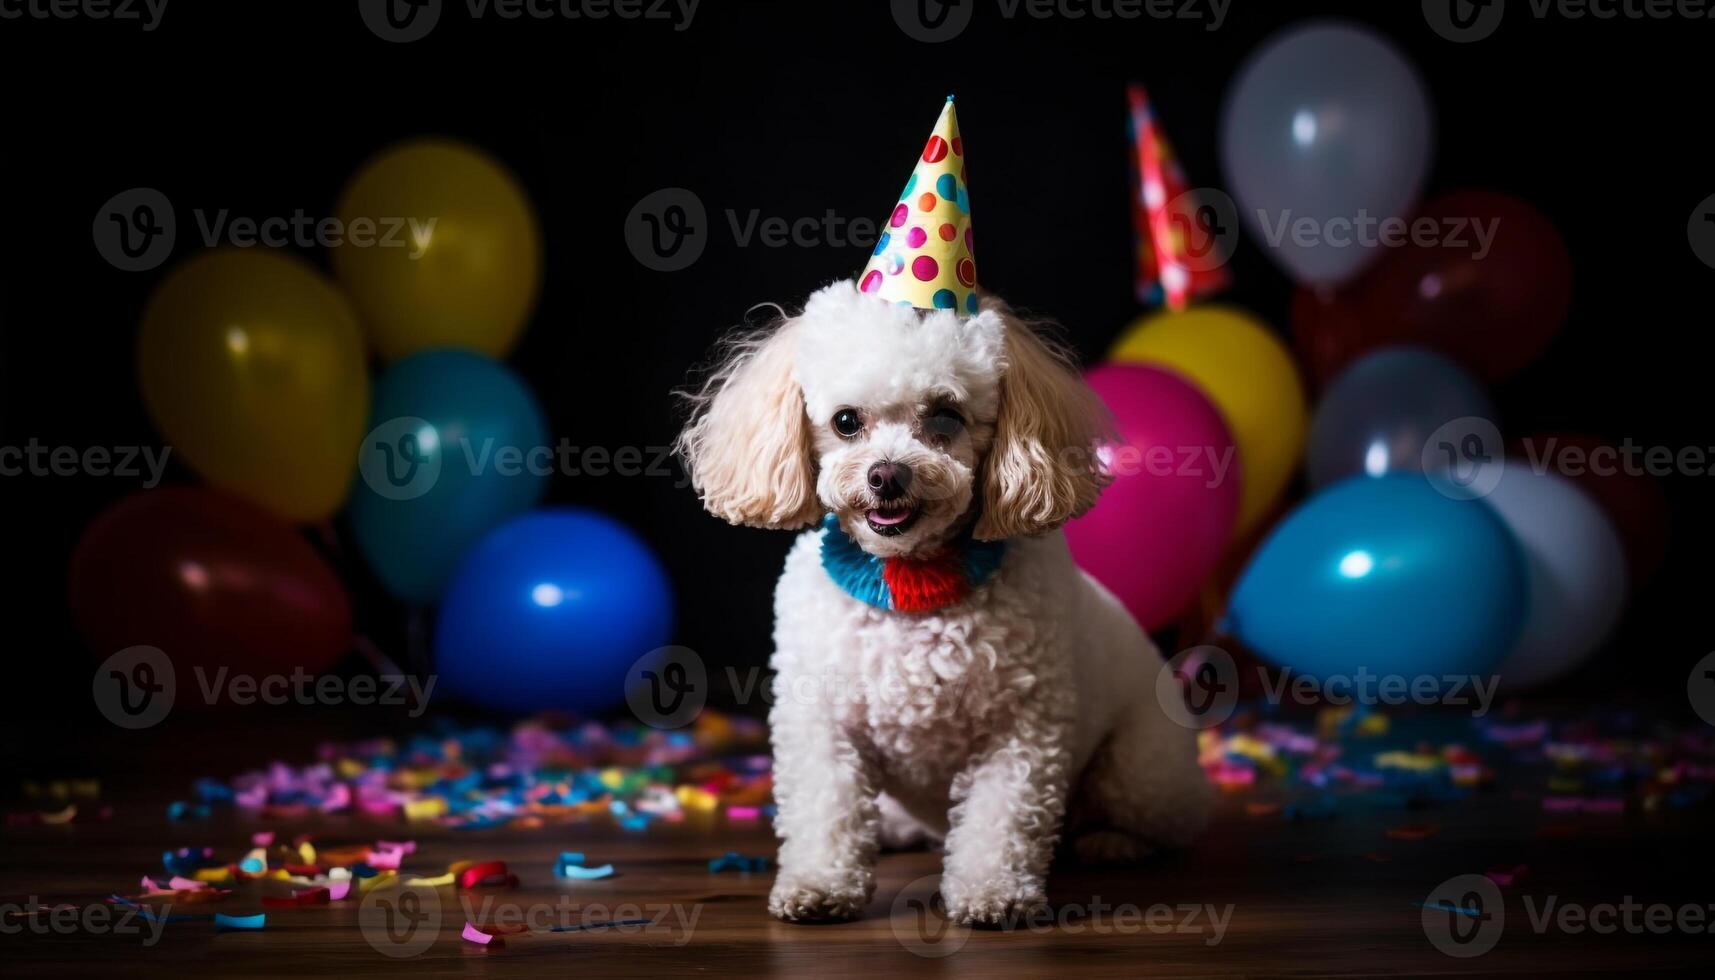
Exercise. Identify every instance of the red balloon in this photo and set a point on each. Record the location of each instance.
(211, 581)
(1632, 498)
(1161, 525)
(1490, 288)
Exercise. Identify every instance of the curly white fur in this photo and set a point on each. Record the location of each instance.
(988, 724)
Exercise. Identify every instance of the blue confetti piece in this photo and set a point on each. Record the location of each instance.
(224, 921)
(734, 861)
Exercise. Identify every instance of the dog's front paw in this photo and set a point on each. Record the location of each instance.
(994, 906)
(830, 896)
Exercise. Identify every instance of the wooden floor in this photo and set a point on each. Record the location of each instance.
(1259, 896)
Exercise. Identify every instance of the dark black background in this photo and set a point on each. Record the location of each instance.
(793, 109)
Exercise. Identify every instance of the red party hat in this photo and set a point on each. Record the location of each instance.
(1177, 258)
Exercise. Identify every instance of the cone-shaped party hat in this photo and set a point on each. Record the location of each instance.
(1170, 269)
(923, 258)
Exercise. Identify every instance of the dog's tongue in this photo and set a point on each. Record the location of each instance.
(888, 519)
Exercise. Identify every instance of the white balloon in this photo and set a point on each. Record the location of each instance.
(1326, 132)
(1577, 567)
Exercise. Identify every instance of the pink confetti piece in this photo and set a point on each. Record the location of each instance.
(263, 838)
(474, 935)
(742, 813)
(338, 890)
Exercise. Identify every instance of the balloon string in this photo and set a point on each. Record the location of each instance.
(417, 640)
(382, 663)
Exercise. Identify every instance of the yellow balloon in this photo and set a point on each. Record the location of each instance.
(252, 365)
(462, 268)
(1248, 375)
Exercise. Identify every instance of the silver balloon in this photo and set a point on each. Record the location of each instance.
(1325, 135)
(1378, 415)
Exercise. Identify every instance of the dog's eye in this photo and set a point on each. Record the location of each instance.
(944, 423)
(847, 423)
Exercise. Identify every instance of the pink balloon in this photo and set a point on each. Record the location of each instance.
(1163, 523)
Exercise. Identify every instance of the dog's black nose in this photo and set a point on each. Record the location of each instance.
(889, 480)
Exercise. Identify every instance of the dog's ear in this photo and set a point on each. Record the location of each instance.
(1042, 470)
(747, 443)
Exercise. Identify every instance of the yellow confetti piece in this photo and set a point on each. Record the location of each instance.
(457, 867)
(425, 809)
(350, 768)
(612, 778)
(216, 875)
(440, 881)
(306, 853)
(382, 879)
(63, 816)
(695, 798)
(1373, 724)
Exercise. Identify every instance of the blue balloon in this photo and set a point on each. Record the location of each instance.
(1384, 574)
(550, 611)
(457, 445)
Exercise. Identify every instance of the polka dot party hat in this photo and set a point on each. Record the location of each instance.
(923, 258)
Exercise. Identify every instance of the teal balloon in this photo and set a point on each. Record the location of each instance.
(1386, 575)
(457, 445)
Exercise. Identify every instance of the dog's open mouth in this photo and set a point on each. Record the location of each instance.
(891, 519)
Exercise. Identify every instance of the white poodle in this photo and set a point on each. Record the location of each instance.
(942, 669)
